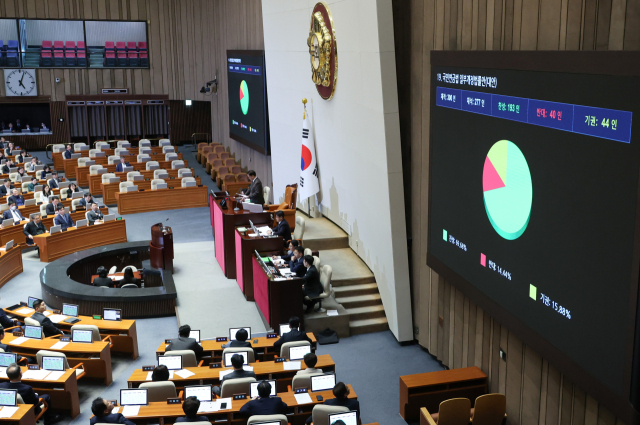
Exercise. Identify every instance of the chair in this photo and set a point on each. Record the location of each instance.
(131, 46)
(159, 391)
(229, 162)
(489, 409)
(31, 322)
(120, 46)
(185, 180)
(70, 58)
(12, 53)
(82, 57)
(288, 206)
(325, 280)
(74, 204)
(25, 187)
(82, 160)
(143, 155)
(224, 155)
(252, 356)
(266, 191)
(209, 161)
(133, 58)
(229, 178)
(130, 175)
(123, 185)
(57, 148)
(164, 142)
(221, 172)
(122, 59)
(43, 406)
(267, 418)
(43, 209)
(303, 381)
(129, 285)
(176, 164)
(320, 413)
(123, 144)
(298, 233)
(235, 386)
(155, 183)
(78, 146)
(13, 176)
(144, 59)
(113, 269)
(133, 268)
(79, 368)
(284, 349)
(144, 143)
(242, 178)
(107, 176)
(93, 169)
(182, 171)
(168, 148)
(199, 154)
(317, 262)
(188, 357)
(118, 151)
(218, 149)
(150, 164)
(215, 166)
(158, 171)
(454, 411)
(113, 159)
(102, 145)
(204, 155)
(93, 153)
(170, 156)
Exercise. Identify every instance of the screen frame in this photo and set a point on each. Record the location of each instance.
(231, 354)
(199, 386)
(266, 148)
(300, 358)
(311, 379)
(53, 357)
(81, 342)
(112, 309)
(169, 355)
(247, 328)
(15, 358)
(355, 413)
(74, 305)
(274, 387)
(610, 63)
(30, 326)
(15, 397)
(137, 389)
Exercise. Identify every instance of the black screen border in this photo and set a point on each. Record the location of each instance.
(609, 63)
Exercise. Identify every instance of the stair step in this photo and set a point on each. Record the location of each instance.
(358, 327)
(359, 300)
(354, 290)
(369, 312)
(336, 280)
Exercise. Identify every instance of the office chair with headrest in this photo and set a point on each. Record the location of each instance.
(298, 233)
(317, 262)
(130, 175)
(164, 142)
(325, 279)
(129, 286)
(489, 409)
(78, 146)
(93, 152)
(185, 180)
(113, 159)
(133, 268)
(123, 143)
(113, 269)
(82, 160)
(118, 151)
(160, 390)
(144, 143)
(151, 164)
(31, 322)
(188, 357)
(141, 156)
(123, 186)
(181, 171)
(167, 149)
(107, 176)
(288, 206)
(304, 380)
(236, 386)
(155, 183)
(177, 164)
(158, 171)
(320, 413)
(95, 332)
(266, 191)
(79, 368)
(267, 418)
(454, 411)
(284, 349)
(102, 145)
(57, 148)
(93, 169)
(252, 356)
(74, 204)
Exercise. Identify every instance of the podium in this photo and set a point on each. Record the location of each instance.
(161, 247)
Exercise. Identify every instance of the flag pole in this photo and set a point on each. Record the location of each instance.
(304, 115)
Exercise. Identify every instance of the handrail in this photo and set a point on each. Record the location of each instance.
(193, 138)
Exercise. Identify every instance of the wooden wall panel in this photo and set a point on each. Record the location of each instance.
(450, 326)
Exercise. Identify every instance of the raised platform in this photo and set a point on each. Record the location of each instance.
(67, 281)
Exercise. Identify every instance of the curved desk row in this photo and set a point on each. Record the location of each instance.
(10, 263)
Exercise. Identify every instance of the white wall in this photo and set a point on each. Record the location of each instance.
(357, 133)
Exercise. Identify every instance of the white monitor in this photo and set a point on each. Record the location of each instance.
(284, 328)
(133, 188)
(190, 184)
(9, 245)
(161, 186)
(298, 353)
(34, 332)
(55, 229)
(163, 176)
(29, 202)
(227, 357)
(134, 397)
(113, 314)
(254, 388)
(195, 335)
(7, 222)
(7, 359)
(348, 418)
(171, 362)
(232, 333)
(8, 397)
(323, 382)
(70, 310)
(201, 392)
(76, 195)
(111, 217)
(82, 223)
(81, 335)
(31, 300)
(53, 363)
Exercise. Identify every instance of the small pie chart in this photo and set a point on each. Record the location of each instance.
(244, 97)
(508, 192)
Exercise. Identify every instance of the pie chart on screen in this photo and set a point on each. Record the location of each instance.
(244, 97)
(508, 193)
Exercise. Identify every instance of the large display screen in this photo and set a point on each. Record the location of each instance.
(248, 116)
(533, 195)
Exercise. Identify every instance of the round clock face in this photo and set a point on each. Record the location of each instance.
(20, 82)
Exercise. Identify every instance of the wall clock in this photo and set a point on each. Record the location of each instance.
(323, 51)
(20, 82)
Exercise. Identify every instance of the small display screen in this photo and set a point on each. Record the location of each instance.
(298, 353)
(201, 392)
(33, 332)
(323, 382)
(227, 357)
(70, 310)
(254, 388)
(171, 362)
(52, 363)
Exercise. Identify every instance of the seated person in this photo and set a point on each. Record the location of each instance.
(241, 339)
(311, 286)
(310, 360)
(238, 372)
(68, 152)
(3, 142)
(297, 264)
(264, 404)
(32, 186)
(160, 373)
(16, 197)
(102, 279)
(128, 278)
(31, 166)
(21, 174)
(120, 166)
(14, 373)
(45, 193)
(102, 409)
(5, 347)
(6, 321)
(6, 168)
(63, 219)
(55, 204)
(293, 335)
(287, 256)
(5, 189)
(94, 215)
(53, 182)
(282, 228)
(183, 342)
(48, 327)
(73, 188)
(341, 392)
(87, 200)
(27, 129)
(43, 173)
(190, 408)
(43, 127)
(13, 212)
(34, 227)
(20, 157)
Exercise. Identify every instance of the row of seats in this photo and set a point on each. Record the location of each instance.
(219, 164)
(60, 53)
(9, 53)
(125, 54)
(143, 143)
(129, 46)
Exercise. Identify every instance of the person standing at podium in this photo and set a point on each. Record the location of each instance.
(94, 215)
(254, 191)
(282, 228)
(63, 219)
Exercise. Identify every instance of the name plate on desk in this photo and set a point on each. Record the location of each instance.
(174, 400)
(221, 339)
(214, 365)
(240, 396)
(147, 368)
(273, 335)
(65, 339)
(17, 333)
(301, 390)
(280, 360)
(97, 317)
(167, 341)
(33, 367)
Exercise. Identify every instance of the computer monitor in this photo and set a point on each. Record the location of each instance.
(298, 353)
(7, 359)
(134, 397)
(323, 382)
(31, 300)
(284, 328)
(34, 332)
(254, 388)
(52, 363)
(81, 335)
(70, 310)
(227, 357)
(232, 333)
(195, 335)
(171, 362)
(112, 314)
(201, 392)
(8, 397)
(347, 418)
(55, 229)
(7, 222)
(82, 223)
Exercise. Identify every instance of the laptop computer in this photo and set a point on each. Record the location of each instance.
(298, 353)
(171, 362)
(8, 397)
(134, 397)
(233, 331)
(323, 382)
(33, 332)
(227, 357)
(113, 314)
(347, 418)
(53, 363)
(7, 359)
(201, 392)
(254, 388)
(81, 335)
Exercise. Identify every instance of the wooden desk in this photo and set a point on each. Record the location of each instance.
(167, 413)
(95, 356)
(58, 157)
(263, 370)
(213, 348)
(75, 239)
(278, 300)
(24, 416)
(109, 190)
(10, 263)
(95, 180)
(124, 334)
(82, 173)
(136, 274)
(245, 247)
(431, 388)
(225, 222)
(69, 165)
(164, 199)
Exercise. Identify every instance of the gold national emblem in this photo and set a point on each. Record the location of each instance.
(323, 51)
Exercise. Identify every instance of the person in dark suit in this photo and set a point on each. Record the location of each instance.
(102, 409)
(120, 166)
(160, 373)
(16, 198)
(293, 335)
(5, 347)
(6, 187)
(183, 342)
(48, 327)
(282, 228)
(73, 188)
(95, 215)
(6, 321)
(128, 277)
(190, 408)
(53, 182)
(264, 404)
(54, 206)
(288, 256)
(10, 127)
(20, 157)
(8, 150)
(341, 392)
(254, 191)
(237, 361)
(28, 395)
(297, 264)
(13, 212)
(63, 219)
(68, 152)
(311, 286)
(34, 227)
(86, 201)
(6, 168)
(241, 339)
(46, 170)
(3, 142)
(102, 279)
(18, 126)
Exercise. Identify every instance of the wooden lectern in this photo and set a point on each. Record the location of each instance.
(161, 247)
